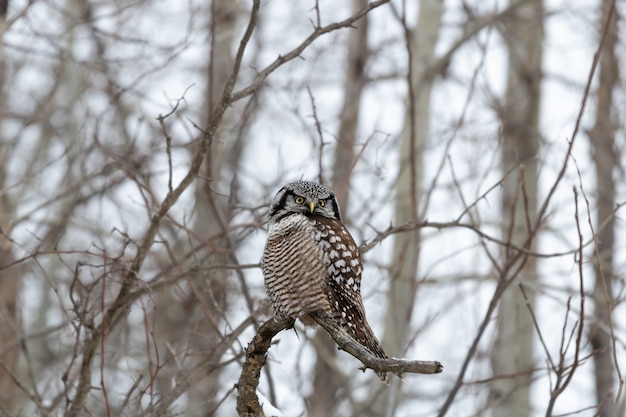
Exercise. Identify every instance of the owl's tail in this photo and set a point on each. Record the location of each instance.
(372, 343)
(366, 337)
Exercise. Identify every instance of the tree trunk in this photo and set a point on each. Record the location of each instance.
(606, 160)
(512, 355)
(10, 327)
(403, 280)
(191, 321)
(323, 400)
(355, 81)
(8, 277)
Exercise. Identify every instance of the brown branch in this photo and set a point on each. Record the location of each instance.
(563, 374)
(187, 378)
(354, 348)
(506, 243)
(592, 71)
(256, 354)
(124, 297)
(294, 53)
(540, 218)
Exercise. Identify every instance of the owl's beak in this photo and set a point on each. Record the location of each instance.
(312, 206)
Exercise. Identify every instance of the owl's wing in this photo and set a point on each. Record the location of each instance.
(343, 262)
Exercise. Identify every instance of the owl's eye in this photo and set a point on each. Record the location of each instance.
(299, 200)
(321, 203)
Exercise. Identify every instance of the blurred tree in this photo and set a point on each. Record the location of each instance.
(606, 160)
(10, 326)
(512, 356)
(403, 277)
(189, 321)
(324, 398)
(10, 398)
(19, 355)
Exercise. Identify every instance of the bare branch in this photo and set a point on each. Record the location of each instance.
(294, 53)
(119, 306)
(354, 348)
(256, 354)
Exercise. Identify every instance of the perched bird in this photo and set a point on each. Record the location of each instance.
(311, 262)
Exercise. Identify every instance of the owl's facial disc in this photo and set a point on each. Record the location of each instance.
(309, 205)
(305, 197)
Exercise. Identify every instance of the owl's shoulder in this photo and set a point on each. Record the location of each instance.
(333, 230)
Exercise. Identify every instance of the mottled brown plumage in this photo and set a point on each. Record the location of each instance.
(311, 262)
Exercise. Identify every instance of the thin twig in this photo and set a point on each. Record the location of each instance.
(294, 53)
(118, 308)
(318, 128)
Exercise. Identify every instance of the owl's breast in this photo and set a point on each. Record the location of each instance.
(294, 269)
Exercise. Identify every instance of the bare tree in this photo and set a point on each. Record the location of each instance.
(403, 277)
(140, 145)
(512, 357)
(324, 400)
(190, 323)
(10, 325)
(606, 161)
(9, 280)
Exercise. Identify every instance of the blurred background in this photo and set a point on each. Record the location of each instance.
(476, 149)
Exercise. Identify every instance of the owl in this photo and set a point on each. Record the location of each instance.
(311, 262)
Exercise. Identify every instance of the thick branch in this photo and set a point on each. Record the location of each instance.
(256, 354)
(354, 348)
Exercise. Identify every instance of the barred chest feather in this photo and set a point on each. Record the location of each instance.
(307, 261)
(295, 274)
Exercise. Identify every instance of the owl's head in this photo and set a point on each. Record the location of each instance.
(305, 197)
